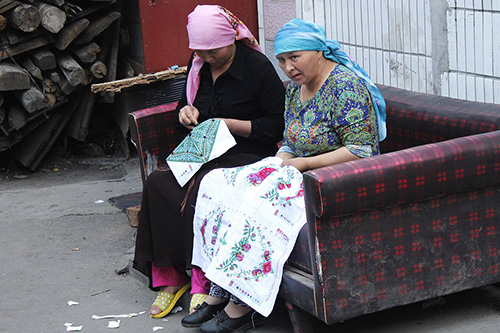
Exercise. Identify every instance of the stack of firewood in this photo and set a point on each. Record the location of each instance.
(51, 50)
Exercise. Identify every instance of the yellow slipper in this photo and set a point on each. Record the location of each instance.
(196, 301)
(166, 301)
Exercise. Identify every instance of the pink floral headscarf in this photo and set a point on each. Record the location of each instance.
(211, 27)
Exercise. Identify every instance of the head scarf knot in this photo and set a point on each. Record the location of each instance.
(301, 35)
(211, 27)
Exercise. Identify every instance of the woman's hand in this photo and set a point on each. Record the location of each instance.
(312, 162)
(289, 159)
(188, 116)
(300, 163)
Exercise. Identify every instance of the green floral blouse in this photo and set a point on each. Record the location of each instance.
(340, 114)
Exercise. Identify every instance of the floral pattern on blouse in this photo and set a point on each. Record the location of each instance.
(339, 114)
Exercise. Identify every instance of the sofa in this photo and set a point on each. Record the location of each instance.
(419, 221)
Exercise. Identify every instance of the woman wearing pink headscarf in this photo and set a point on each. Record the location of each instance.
(230, 79)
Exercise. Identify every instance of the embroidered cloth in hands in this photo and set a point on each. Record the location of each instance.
(246, 222)
(208, 140)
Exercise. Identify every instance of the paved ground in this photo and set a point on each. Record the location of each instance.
(61, 240)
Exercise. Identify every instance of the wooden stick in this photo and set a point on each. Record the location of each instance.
(13, 77)
(118, 85)
(31, 68)
(70, 68)
(88, 53)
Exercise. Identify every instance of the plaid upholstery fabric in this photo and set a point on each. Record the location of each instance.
(407, 225)
(405, 176)
(155, 136)
(415, 119)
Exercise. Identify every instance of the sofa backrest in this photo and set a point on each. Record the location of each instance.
(415, 119)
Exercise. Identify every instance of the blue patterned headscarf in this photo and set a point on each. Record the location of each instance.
(301, 35)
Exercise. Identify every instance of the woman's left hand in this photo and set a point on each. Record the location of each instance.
(299, 163)
(317, 161)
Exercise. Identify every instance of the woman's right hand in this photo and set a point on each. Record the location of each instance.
(188, 116)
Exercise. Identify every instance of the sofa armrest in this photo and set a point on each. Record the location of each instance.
(154, 134)
(404, 176)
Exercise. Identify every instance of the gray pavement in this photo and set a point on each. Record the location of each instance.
(61, 240)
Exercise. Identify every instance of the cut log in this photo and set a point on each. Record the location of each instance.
(50, 100)
(54, 76)
(25, 17)
(70, 32)
(96, 27)
(70, 68)
(6, 5)
(31, 99)
(52, 18)
(31, 68)
(98, 69)
(44, 59)
(64, 85)
(49, 86)
(88, 53)
(17, 117)
(13, 77)
(88, 77)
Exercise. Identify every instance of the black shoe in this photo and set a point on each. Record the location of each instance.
(203, 313)
(222, 323)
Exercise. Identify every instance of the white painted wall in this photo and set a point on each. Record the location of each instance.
(444, 47)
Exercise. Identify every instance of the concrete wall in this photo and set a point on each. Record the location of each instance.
(272, 15)
(444, 47)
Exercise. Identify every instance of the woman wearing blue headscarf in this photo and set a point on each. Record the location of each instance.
(333, 111)
(333, 114)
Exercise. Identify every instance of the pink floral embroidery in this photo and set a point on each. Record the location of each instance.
(258, 177)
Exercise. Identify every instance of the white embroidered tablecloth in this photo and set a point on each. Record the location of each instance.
(246, 222)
